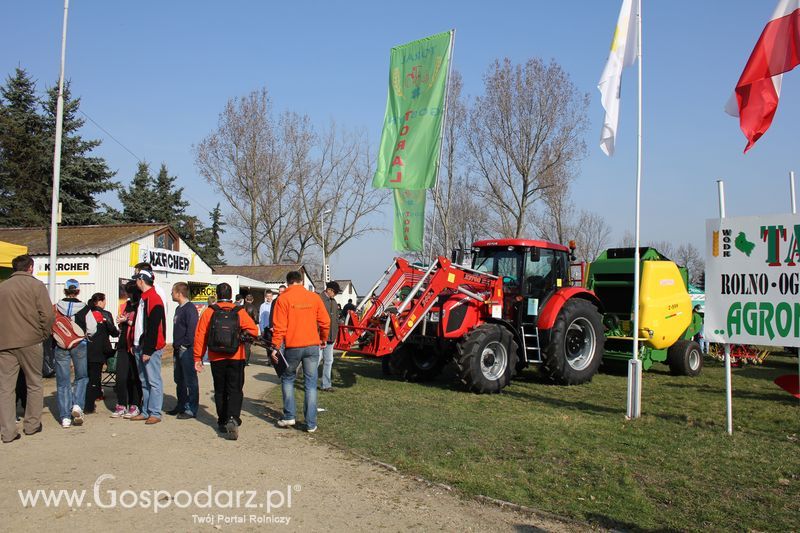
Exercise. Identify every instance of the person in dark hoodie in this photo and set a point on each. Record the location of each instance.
(128, 387)
(71, 396)
(99, 349)
(149, 347)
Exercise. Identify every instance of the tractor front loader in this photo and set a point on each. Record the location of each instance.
(512, 308)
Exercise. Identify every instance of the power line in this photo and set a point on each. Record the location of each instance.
(93, 121)
(139, 159)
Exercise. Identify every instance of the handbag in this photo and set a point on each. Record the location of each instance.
(111, 364)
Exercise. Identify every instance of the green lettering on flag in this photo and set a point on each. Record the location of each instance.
(409, 220)
(411, 140)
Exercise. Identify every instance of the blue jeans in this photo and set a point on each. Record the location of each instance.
(326, 360)
(152, 386)
(70, 394)
(185, 375)
(309, 356)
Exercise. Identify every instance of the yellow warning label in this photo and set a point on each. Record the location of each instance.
(451, 277)
(558, 282)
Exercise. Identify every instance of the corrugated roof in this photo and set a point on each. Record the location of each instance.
(265, 273)
(78, 240)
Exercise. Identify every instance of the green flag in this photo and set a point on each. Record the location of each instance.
(409, 220)
(412, 129)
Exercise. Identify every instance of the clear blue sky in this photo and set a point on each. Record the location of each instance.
(157, 74)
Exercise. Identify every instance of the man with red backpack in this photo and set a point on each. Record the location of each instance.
(219, 330)
(71, 347)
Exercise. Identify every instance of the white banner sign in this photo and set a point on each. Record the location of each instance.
(81, 268)
(753, 280)
(163, 260)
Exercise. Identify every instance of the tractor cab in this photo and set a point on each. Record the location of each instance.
(532, 271)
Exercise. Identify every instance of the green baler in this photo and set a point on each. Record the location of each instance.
(667, 322)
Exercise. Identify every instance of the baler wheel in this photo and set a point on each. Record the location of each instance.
(685, 358)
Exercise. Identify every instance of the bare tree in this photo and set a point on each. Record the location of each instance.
(558, 222)
(689, 256)
(455, 214)
(525, 132)
(555, 220)
(338, 180)
(592, 235)
(628, 240)
(241, 160)
(280, 176)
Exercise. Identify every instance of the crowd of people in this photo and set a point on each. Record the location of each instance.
(297, 326)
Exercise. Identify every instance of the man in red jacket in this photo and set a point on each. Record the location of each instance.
(220, 335)
(149, 347)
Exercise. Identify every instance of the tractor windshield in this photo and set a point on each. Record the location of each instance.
(501, 262)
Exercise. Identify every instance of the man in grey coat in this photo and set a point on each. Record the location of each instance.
(326, 353)
(27, 321)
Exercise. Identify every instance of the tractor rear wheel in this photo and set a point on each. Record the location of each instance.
(487, 358)
(414, 364)
(685, 358)
(575, 349)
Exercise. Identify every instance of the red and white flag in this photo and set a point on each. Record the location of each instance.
(759, 88)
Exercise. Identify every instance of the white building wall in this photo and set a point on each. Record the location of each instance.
(348, 293)
(116, 264)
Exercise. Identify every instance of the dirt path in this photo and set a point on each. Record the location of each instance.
(329, 489)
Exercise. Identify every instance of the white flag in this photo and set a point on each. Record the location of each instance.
(623, 53)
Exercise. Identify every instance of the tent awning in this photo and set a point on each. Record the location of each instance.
(9, 251)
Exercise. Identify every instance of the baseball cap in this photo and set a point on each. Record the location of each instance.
(145, 275)
(72, 284)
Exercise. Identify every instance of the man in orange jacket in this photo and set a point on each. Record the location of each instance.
(302, 323)
(219, 330)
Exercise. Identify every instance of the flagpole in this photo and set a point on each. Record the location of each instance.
(54, 211)
(727, 346)
(441, 137)
(635, 365)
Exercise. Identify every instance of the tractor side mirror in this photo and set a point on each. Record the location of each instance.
(536, 255)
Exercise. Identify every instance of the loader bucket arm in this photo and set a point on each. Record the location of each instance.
(378, 333)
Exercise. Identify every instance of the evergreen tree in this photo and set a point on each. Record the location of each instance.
(211, 250)
(138, 199)
(25, 166)
(168, 202)
(83, 177)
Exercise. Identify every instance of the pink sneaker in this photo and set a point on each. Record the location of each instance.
(119, 411)
(132, 411)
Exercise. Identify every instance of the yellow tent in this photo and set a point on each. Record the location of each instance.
(9, 251)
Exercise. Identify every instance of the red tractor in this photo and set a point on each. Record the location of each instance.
(515, 306)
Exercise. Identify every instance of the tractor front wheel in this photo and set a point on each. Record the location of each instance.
(685, 358)
(487, 358)
(575, 350)
(414, 364)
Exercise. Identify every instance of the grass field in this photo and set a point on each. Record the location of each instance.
(569, 450)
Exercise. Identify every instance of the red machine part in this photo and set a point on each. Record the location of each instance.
(549, 313)
(378, 331)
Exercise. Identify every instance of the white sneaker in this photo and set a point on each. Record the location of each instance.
(66, 422)
(286, 423)
(77, 414)
(311, 430)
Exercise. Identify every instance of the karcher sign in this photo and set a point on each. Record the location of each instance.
(163, 260)
(82, 268)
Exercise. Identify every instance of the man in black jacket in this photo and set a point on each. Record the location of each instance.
(184, 326)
